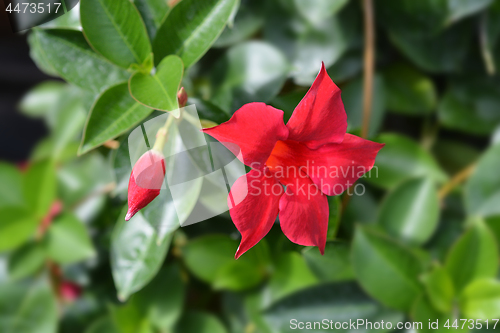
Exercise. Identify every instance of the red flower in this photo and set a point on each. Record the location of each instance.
(312, 156)
(145, 181)
(69, 291)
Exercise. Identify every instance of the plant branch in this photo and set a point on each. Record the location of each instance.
(369, 66)
(456, 180)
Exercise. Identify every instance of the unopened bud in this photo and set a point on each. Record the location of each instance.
(145, 181)
(182, 97)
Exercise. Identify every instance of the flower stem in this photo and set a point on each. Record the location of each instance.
(161, 135)
(369, 65)
(456, 180)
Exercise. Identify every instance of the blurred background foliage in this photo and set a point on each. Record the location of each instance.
(419, 244)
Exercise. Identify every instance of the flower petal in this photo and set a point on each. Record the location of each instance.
(304, 213)
(253, 203)
(320, 116)
(332, 167)
(251, 133)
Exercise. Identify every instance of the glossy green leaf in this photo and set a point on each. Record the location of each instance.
(39, 100)
(162, 299)
(481, 299)
(329, 304)
(69, 54)
(135, 255)
(316, 11)
(114, 113)
(115, 29)
(28, 310)
(191, 28)
(39, 187)
(291, 274)
(473, 256)
(152, 12)
(249, 72)
(39, 57)
(409, 91)
(200, 322)
(482, 191)
(16, 226)
(401, 159)
(439, 287)
(11, 191)
(471, 106)
(26, 261)
(352, 96)
(458, 9)
(385, 269)
(129, 318)
(334, 265)
(68, 240)
(159, 91)
(411, 211)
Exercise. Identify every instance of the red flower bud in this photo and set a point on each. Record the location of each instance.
(182, 97)
(145, 181)
(69, 291)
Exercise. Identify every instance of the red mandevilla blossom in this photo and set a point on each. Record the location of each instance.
(145, 181)
(311, 156)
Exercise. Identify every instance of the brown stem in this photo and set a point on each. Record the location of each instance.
(369, 65)
(456, 180)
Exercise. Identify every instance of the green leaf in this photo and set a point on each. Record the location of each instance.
(135, 255)
(209, 111)
(458, 9)
(162, 299)
(152, 12)
(26, 261)
(249, 72)
(409, 91)
(470, 105)
(129, 318)
(385, 269)
(40, 187)
(114, 28)
(333, 266)
(352, 96)
(38, 55)
(444, 53)
(454, 156)
(28, 310)
(291, 274)
(237, 275)
(482, 190)
(401, 159)
(481, 299)
(335, 207)
(11, 191)
(159, 91)
(338, 302)
(199, 322)
(287, 103)
(16, 226)
(103, 325)
(473, 256)
(41, 99)
(191, 28)
(411, 211)
(316, 11)
(68, 240)
(439, 288)
(424, 313)
(69, 54)
(114, 113)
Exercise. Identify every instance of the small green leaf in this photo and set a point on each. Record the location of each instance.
(291, 274)
(17, 225)
(69, 54)
(41, 99)
(385, 269)
(409, 91)
(411, 211)
(68, 240)
(191, 28)
(159, 91)
(115, 29)
(482, 190)
(11, 191)
(135, 255)
(439, 288)
(114, 113)
(401, 159)
(26, 260)
(473, 256)
(481, 299)
(40, 187)
(199, 322)
(28, 310)
(334, 265)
